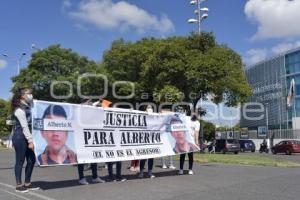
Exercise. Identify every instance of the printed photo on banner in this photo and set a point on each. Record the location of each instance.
(180, 133)
(54, 138)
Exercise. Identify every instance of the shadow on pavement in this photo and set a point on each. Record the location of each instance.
(5, 168)
(49, 185)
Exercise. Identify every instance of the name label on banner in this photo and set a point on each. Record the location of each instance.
(178, 127)
(58, 124)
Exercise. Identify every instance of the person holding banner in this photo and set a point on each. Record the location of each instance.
(118, 174)
(181, 143)
(149, 109)
(22, 139)
(195, 127)
(95, 177)
(56, 151)
(92, 166)
(182, 146)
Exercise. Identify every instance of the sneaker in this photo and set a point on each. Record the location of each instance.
(172, 167)
(141, 175)
(32, 187)
(21, 189)
(98, 180)
(180, 172)
(132, 169)
(110, 179)
(164, 166)
(151, 176)
(83, 182)
(191, 172)
(137, 169)
(121, 179)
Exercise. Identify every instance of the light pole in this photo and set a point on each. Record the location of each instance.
(267, 121)
(231, 124)
(198, 12)
(18, 60)
(33, 46)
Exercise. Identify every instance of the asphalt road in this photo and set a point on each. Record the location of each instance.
(210, 182)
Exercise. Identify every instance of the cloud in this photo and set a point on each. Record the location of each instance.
(105, 14)
(3, 64)
(66, 5)
(275, 18)
(285, 46)
(255, 55)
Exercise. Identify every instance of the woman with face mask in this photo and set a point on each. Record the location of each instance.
(22, 138)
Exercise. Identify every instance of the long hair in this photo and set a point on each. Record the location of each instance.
(57, 110)
(16, 99)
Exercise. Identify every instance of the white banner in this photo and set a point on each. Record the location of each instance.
(70, 133)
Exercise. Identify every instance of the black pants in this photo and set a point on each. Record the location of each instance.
(150, 164)
(191, 160)
(22, 151)
(93, 167)
(118, 169)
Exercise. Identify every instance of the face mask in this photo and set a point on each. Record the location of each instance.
(194, 118)
(149, 110)
(29, 98)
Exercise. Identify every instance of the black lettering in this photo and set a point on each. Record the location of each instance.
(135, 137)
(147, 138)
(87, 136)
(123, 138)
(111, 138)
(102, 137)
(120, 153)
(95, 138)
(129, 152)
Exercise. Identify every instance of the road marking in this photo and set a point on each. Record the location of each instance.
(29, 193)
(21, 197)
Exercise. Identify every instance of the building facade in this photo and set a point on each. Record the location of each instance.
(270, 80)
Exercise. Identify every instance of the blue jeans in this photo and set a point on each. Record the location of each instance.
(93, 167)
(150, 164)
(110, 169)
(22, 152)
(163, 161)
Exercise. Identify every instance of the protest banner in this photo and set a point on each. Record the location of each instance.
(70, 133)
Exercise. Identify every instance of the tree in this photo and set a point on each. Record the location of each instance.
(187, 65)
(4, 114)
(209, 130)
(59, 64)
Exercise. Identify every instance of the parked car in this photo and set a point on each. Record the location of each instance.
(287, 146)
(247, 145)
(227, 145)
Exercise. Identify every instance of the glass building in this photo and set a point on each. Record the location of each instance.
(270, 82)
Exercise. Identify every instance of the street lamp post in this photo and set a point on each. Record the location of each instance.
(18, 60)
(267, 121)
(34, 47)
(198, 12)
(231, 124)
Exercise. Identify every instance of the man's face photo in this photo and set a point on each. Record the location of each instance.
(179, 136)
(55, 139)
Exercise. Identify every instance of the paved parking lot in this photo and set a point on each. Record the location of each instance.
(211, 181)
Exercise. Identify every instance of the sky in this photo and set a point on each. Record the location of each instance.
(256, 29)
